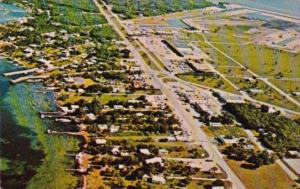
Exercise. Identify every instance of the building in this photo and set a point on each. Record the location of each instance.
(154, 160)
(91, 117)
(158, 179)
(163, 151)
(217, 187)
(145, 151)
(294, 153)
(114, 129)
(293, 164)
(102, 127)
(100, 141)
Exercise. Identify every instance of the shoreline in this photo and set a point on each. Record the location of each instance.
(286, 12)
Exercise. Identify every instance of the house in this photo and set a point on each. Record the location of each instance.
(91, 116)
(163, 151)
(115, 150)
(81, 90)
(118, 90)
(139, 114)
(296, 93)
(145, 151)
(78, 80)
(64, 120)
(256, 91)
(100, 141)
(215, 124)
(158, 179)
(294, 153)
(217, 187)
(154, 160)
(65, 109)
(249, 147)
(230, 139)
(121, 166)
(125, 154)
(114, 129)
(118, 107)
(146, 177)
(133, 101)
(102, 127)
(69, 80)
(171, 139)
(28, 52)
(74, 107)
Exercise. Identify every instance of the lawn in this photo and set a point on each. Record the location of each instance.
(225, 130)
(289, 86)
(105, 98)
(268, 95)
(265, 177)
(209, 81)
(147, 60)
(260, 59)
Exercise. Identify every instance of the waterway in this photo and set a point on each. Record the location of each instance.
(30, 158)
(10, 12)
(290, 7)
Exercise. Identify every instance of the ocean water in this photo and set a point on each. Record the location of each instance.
(290, 7)
(30, 158)
(10, 12)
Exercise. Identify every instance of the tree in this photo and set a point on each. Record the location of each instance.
(96, 106)
(218, 182)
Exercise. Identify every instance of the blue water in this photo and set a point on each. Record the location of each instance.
(176, 23)
(291, 7)
(29, 158)
(10, 12)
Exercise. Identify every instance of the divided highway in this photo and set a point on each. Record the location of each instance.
(189, 124)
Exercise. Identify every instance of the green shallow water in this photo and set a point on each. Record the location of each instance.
(30, 158)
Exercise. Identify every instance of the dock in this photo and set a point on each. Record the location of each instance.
(25, 78)
(25, 72)
(53, 115)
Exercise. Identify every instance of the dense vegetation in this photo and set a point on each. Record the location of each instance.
(131, 8)
(251, 157)
(277, 132)
(81, 22)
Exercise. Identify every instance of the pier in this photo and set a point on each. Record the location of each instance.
(82, 134)
(53, 115)
(25, 78)
(25, 72)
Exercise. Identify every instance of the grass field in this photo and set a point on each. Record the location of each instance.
(288, 86)
(105, 98)
(268, 94)
(266, 177)
(148, 61)
(260, 59)
(209, 81)
(225, 130)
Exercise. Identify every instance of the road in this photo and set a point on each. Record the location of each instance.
(265, 80)
(254, 139)
(189, 124)
(196, 86)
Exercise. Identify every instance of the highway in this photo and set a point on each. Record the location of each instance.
(265, 80)
(244, 95)
(189, 124)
